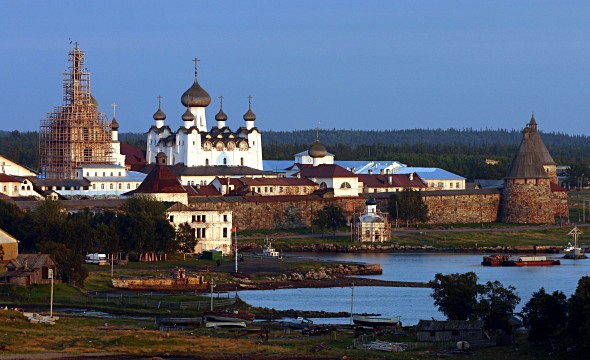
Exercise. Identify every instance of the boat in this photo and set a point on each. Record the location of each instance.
(177, 280)
(179, 321)
(269, 250)
(228, 316)
(505, 260)
(376, 321)
(212, 324)
(239, 275)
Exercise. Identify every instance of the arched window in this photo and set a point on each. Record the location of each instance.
(242, 161)
(323, 185)
(206, 162)
(345, 185)
(224, 161)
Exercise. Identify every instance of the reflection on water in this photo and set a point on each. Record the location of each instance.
(413, 304)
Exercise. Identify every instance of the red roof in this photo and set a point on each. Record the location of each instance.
(557, 188)
(7, 178)
(160, 180)
(203, 190)
(276, 182)
(134, 157)
(391, 180)
(326, 171)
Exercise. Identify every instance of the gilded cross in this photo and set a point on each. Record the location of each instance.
(114, 109)
(196, 60)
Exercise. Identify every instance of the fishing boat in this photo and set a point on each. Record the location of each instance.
(505, 260)
(269, 250)
(376, 321)
(228, 316)
(176, 280)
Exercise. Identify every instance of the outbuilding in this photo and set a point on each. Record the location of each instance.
(451, 330)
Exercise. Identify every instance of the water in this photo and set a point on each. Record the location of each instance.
(413, 304)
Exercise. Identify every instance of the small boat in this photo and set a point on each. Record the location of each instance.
(179, 321)
(214, 325)
(269, 250)
(505, 260)
(376, 321)
(239, 275)
(297, 324)
(177, 280)
(228, 316)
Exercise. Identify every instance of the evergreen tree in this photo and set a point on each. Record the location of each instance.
(408, 206)
(330, 217)
(546, 315)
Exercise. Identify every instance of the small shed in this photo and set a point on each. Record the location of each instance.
(451, 330)
(29, 269)
(9, 245)
(211, 255)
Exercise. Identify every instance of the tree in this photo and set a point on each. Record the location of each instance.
(185, 238)
(408, 206)
(330, 217)
(144, 227)
(455, 295)
(546, 315)
(496, 305)
(578, 317)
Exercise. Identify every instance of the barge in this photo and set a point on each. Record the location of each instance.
(177, 280)
(505, 260)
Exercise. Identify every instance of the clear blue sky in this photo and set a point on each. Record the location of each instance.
(342, 64)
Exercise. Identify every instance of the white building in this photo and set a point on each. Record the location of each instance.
(194, 145)
(371, 226)
(212, 228)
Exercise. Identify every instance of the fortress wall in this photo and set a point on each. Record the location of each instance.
(293, 213)
(468, 208)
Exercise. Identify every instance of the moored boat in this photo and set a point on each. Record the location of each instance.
(505, 260)
(376, 321)
(177, 280)
(228, 316)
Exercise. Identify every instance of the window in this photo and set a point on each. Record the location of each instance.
(194, 218)
(206, 162)
(345, 185)
(95, 173)
(111, 173)
(225, 218)
(87, 173)
(93, 186)
(104, 173)
(440, 185)
(451, 185)
(120, 186)
(457, 185)
(102, 186)
(128, 186)
(266, 189)
(323, 185)
(171, 218)
(5, 188)
(198, 233)
(203, 232)
(224, 161)
(111, 186)
(224, 232)
(204, 219)
(119, 173)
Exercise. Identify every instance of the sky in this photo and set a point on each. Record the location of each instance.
(380, 65)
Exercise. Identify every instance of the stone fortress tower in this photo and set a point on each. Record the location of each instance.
(531, 193)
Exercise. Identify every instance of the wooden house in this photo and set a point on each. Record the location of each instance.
(29, 269)
(451, 330)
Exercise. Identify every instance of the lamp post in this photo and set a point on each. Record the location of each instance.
(50, 275)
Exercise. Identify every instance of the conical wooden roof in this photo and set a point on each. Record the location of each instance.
(531, 156)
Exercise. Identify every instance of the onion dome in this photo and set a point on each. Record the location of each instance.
(249, 115)
(221, 116)
(159, 115)
(188, 115)
(114, 124)
(317, 150)
(195, 96)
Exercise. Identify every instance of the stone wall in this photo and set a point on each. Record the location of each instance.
(292, 212)
(463, 208)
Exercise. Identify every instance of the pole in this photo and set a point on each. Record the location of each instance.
(351, 303)
(212, 286)
(51, 298)
(236, 240)
(112, 264)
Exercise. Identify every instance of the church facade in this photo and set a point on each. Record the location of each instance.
(194, 144)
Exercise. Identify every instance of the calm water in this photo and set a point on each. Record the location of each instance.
(413, 304)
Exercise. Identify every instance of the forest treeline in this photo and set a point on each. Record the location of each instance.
(461, 151)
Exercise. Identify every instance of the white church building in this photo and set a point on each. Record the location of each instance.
(193, 144)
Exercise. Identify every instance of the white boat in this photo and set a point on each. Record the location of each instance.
(269, 250)
(219, 324)
(376, 321)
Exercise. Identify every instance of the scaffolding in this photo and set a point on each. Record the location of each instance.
(370, 227)
(75, 133)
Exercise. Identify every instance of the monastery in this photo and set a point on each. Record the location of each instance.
(215, 179)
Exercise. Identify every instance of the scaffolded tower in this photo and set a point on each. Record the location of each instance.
(76, 132)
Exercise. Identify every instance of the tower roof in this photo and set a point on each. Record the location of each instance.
(160, 180)
(221, 116)
(249, 115)
(317, 150)
(188, 115)
(531, 156)
(114, 124)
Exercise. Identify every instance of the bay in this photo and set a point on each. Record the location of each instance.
(413, 304)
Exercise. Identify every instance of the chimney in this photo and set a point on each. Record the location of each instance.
(411, 176)
(390, 179)
(381, 172)
(370, 172)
